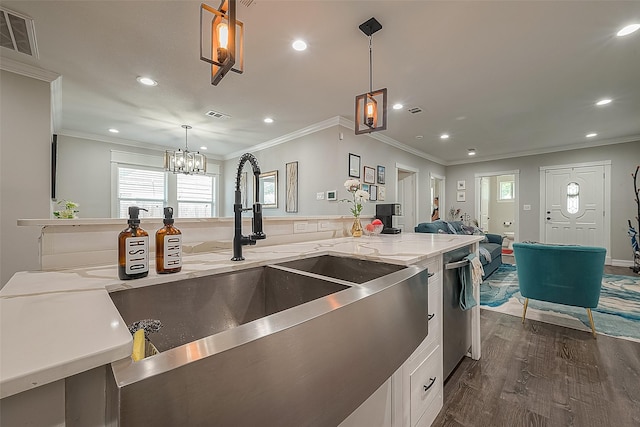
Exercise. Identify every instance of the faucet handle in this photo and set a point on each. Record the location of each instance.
(259, 235)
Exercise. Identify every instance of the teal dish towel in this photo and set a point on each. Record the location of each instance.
(467, 301)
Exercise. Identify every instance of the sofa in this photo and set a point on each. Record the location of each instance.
(490, 248)
(572, 275)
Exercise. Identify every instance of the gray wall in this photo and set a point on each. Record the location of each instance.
(624, 159)
(25, 164)
(323, 165)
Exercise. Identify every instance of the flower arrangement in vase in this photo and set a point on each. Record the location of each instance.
(359, 197)
(70, 210)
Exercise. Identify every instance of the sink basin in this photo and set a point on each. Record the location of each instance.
(191, 309)
(350, 269)
(264, 345)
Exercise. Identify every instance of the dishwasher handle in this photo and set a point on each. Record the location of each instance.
(454, 265)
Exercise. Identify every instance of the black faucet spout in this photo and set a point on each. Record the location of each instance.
(256, 223)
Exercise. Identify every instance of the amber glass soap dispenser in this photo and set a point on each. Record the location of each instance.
(133, 248)
(168, 246)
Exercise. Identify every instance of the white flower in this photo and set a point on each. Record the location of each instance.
(352, 185)
(361, 196)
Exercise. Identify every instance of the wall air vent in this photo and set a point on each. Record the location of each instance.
(17, 32)
(217, 115)
(415, 110)
(246, 2)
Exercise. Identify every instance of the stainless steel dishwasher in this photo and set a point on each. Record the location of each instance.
(456, 326)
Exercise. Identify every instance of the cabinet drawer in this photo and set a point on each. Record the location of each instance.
(425, 384)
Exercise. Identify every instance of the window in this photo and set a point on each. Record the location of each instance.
(573, 197)
(506, 190)
(195, 196)
(143, 188)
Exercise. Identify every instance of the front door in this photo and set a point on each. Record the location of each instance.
(574, 205)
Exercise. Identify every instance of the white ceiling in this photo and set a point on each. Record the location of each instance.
(504, 77)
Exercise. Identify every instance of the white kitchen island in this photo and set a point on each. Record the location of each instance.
(56, 325)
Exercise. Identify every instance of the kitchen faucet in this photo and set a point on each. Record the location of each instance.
(256, 223)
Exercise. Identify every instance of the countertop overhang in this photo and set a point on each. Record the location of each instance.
(58, 324)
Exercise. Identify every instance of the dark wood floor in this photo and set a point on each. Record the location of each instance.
(540, 374)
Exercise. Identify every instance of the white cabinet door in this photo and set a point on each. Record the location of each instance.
(374, 412)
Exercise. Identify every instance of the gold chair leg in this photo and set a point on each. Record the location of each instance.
(593, 328)
(524, 312)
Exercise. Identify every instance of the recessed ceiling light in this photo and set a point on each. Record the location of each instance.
(268, 120)
(419, 137)
(591, 135)
(147, 81)
(203, 148)
(299, 45)
(632, 28)
(113, 130)
(603, 102)
(397, 106)
(471, 152)
(444, 136)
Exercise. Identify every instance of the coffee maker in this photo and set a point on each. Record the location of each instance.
(385, 213)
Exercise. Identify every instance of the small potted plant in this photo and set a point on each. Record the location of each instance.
(70, 210)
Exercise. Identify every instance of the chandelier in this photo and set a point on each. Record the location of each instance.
(184, 161)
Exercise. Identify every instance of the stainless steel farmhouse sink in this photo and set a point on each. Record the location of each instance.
(297, 343)
(196, 308)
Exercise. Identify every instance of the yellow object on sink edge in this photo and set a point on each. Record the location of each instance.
(138, 345)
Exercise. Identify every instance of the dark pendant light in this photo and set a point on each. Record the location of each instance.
(371, 107)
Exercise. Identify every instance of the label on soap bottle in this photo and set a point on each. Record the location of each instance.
(172, 251)
(137, 258)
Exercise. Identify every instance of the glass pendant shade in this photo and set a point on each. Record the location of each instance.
(222, 37)
(369, 107)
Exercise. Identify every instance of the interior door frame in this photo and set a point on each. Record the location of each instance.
(441, 197)
(606, 231)
(516, 201)
(416, 205)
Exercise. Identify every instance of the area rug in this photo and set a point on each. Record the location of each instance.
(617, 314)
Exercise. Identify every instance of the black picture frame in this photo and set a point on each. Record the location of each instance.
(354, 165)
(380, 177)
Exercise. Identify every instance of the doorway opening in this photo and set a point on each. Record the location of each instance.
(436, 196)
(497, 207)
(407, 196)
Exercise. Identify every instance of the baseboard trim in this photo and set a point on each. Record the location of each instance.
(621, 263)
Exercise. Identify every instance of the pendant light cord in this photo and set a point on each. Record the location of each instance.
(370, 67)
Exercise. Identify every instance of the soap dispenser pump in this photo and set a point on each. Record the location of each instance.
(168, 246)
(133, 248)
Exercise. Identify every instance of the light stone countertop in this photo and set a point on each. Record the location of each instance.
(57, 324)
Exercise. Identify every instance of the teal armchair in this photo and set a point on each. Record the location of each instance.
(570, 275)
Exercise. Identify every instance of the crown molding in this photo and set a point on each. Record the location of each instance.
(325, 124)
(27, 70)
(123, 142)
(582, 145)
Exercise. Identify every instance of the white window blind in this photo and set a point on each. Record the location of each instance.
(195, 194)
(143, 188)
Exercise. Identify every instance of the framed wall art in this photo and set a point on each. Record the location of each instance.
(291, 203)
(354, 165)
(460, 197)
(382, 193)
(269, 189)
(373, 193)
(369, 175)
(462, 185)
(380, 174)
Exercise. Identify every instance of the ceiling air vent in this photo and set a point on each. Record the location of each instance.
(17, 32)
(415, 110)
(217, 115)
